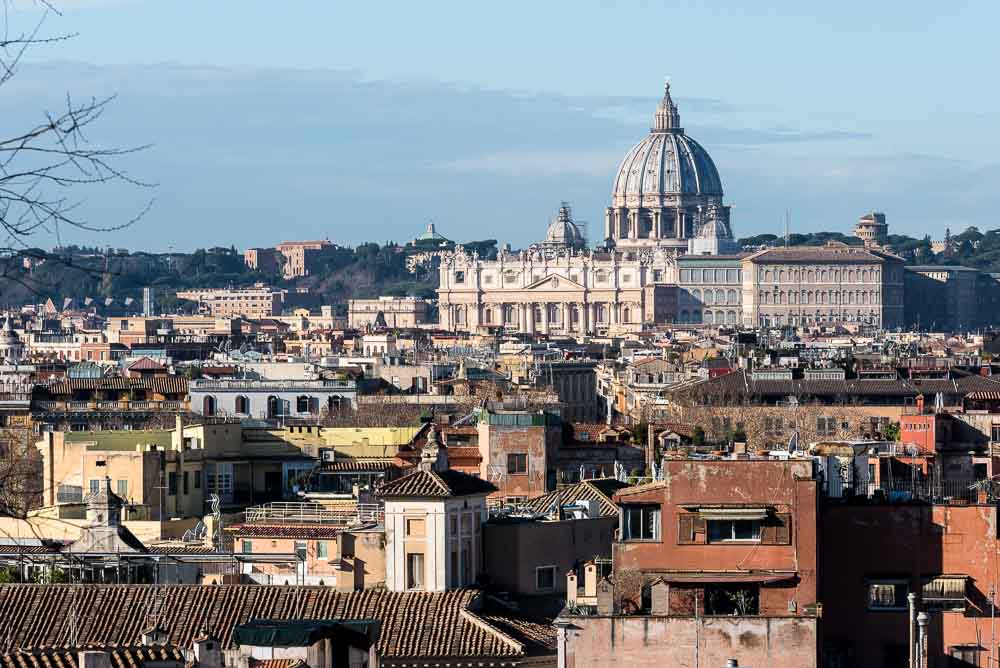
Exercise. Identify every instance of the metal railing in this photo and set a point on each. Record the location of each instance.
(109, 405)
(269, 385)
(314, 513)
(937, 491)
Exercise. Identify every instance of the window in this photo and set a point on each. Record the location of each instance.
(887, 594)
(826, 426)
(774, 425)
(995, 433)
(300, 549)
(247, 546)
(545, 578)
(122, 489)
(720, 531)
(197, 478)
(95, 486)
(460, 277)
(69, 494)
(517, 464)
(415, 528)
(172, 483)
(415, 570)
(729, 600)
(640, 522)
(185, 481)
(322, 549)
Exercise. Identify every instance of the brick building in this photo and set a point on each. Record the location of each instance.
(716, 562)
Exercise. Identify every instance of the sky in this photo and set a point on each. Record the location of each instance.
(359, 121)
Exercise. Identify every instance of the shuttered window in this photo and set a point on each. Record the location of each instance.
(690, 528)
(777, 530)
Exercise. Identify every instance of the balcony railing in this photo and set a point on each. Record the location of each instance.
(122, 406)
(269, 385)
(314, 513)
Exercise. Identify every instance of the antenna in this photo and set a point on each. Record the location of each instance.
(788, 221)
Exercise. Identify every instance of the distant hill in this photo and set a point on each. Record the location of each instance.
(34, 275)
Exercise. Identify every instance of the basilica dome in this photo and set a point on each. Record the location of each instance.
(665, 164)
(562, 231)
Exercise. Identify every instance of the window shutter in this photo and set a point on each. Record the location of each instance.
(783, 529)
(685, 528)
(698, 528)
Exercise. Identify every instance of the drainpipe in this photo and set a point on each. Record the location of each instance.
(912, 598)
(922, 620)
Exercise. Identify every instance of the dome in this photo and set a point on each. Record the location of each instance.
(562, 231)
(666, 163)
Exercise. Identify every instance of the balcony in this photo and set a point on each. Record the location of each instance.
(109, 406)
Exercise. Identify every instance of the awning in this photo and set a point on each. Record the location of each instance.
(752, 513)
(945, 587)
(724, 578)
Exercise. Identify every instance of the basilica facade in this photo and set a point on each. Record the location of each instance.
(666, 201)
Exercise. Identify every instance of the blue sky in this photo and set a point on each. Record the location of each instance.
(357, 121)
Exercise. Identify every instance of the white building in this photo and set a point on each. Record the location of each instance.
(433, 525)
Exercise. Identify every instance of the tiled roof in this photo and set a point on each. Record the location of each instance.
(159, 384)
(305, 531)
(413, 624)
(372, 465)
(436, 484)
(276, 663)
(838, 254)
(64, 657)
(740, 383)
(146, 364)
(600, 490)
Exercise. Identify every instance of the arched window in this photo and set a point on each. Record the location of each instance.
(334, 404)
(487, 315)
(683, 317)
(302, 404)
(731, 318)
(731, 297)
(696, 294)
(274, 407)
(208, 406)
(242, 405)
(626, 314)
(708, 317)
(696, 317)
(709, 297)
(720, 297)
(555, 314)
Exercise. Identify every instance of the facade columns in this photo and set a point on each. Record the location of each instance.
(566, 324)
(657, 221)
(679, 223)
(545, 318)
(531, 318)
(583, 310)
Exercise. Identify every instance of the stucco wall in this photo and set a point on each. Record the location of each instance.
(706, 642)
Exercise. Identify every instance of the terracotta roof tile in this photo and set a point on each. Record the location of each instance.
(413, 624)
(303, 531)
(436, 484)
(65, 657)
(600, 490)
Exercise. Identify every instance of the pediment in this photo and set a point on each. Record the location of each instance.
(556, 283)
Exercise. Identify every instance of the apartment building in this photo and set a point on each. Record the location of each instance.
(254, 303)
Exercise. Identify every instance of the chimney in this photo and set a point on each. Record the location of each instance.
(90, 658)
(155, 636)
(571, 589)
(590, 579)
(920, 404)
(207, 651)
(605, 597)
